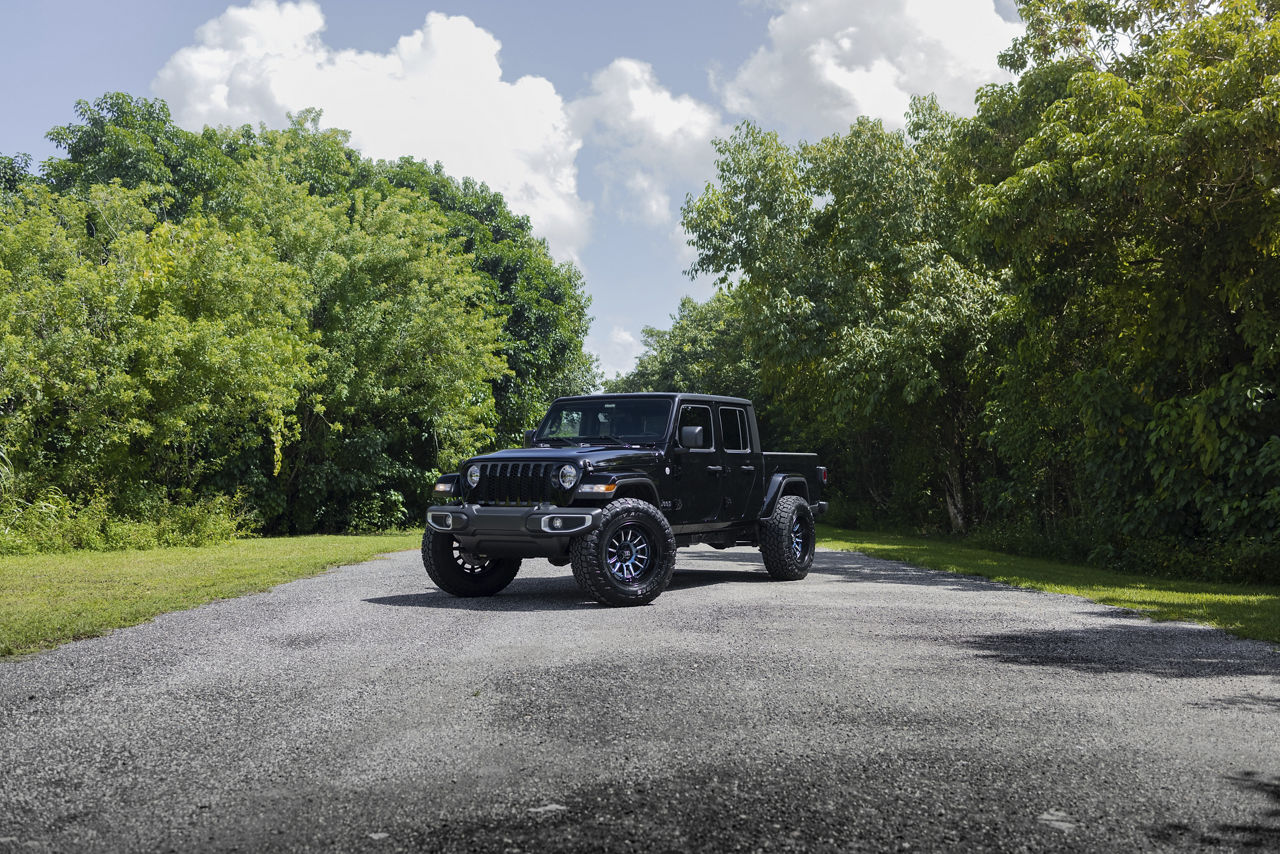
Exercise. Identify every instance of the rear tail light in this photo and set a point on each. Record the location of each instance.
(822, 474)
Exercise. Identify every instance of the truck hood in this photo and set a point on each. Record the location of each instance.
(595, 457)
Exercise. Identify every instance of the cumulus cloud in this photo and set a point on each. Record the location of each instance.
(437, 94)
(617, 350)
(828, 61)
(652, 144)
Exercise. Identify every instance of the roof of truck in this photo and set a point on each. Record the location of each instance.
(670, 395)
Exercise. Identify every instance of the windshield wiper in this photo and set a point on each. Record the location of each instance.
(604, 439)
(560, 439)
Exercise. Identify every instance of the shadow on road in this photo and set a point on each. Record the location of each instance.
(561, 593)
(1173, 650)
(523, 594)
(694, 568)
(1260, 835)
(1247, 702)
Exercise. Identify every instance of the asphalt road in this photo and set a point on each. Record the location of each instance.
(872, 706)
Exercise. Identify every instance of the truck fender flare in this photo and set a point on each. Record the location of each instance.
(639, 487)
(779, 485)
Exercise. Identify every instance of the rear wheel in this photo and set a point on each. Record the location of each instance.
(629, 559)
(787, 539)
(462, 574)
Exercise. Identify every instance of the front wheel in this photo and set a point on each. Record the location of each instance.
(457, 572)
(787, 539)
(629, 559)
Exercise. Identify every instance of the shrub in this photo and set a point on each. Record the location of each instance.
(51, 522)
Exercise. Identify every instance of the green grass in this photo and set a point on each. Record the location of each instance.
(1244, 610)
(50, 599)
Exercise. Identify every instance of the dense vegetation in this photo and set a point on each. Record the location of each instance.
(1056, 323)
(256, 328)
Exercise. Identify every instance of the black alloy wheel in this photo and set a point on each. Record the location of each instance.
(629, 559)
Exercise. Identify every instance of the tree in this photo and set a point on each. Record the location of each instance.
(269, 314)
(705, 351)
(138, 353)
(1128, 181)
(544, 302)
(864, 319)
(135, 141)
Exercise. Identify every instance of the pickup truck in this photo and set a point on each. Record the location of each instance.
(612, 485)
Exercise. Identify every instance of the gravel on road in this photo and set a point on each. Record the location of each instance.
(873, 706)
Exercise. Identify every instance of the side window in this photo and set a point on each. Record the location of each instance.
(733, 426)
(697, 416)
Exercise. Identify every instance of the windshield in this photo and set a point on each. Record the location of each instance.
(623, 421)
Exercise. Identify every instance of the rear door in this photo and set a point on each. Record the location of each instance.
(741, 479)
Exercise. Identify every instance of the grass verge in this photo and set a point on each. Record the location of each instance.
(1244, 610)
(49, 599)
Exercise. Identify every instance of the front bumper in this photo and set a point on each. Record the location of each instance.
(541, 531)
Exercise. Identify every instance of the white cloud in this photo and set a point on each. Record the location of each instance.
(617, 350)
(829, 61)
(438, 94)
(654, 146)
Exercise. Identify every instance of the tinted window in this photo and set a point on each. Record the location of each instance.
(733, 427)
(697, 416)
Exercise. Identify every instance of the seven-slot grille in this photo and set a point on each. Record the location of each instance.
(514, 483)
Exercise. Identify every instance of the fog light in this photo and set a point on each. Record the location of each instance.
(557, 522)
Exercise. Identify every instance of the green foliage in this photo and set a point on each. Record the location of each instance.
(1129, 183)
(52, 523)
(1060, 319)
(862, 317)
(14, 169)
(263, 314)
(702, 352)
(542, 302)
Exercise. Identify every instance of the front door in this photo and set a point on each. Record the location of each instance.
(697, 470)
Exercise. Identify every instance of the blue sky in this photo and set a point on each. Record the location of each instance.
(593, 118)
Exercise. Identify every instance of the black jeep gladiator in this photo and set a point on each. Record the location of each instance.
(612, 484)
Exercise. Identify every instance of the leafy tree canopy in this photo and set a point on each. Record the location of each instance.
(265, 313)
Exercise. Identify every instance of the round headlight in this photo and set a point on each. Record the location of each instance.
(568, 476)
(473, 475)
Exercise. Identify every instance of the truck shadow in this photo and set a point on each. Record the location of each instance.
(559, 593)
(523, 594)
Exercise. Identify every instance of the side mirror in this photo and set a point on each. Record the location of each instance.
(691, 437)
(528, 437)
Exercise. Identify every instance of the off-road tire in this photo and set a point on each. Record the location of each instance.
(629, 559)
(454, 573)
(787, 539)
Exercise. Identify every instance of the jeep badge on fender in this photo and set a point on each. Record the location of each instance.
(612, 484)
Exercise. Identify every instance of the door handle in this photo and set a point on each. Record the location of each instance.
(716, 469)
(746, 468)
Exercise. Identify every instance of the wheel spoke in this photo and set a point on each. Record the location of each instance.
(627, 553)
(467, 563)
